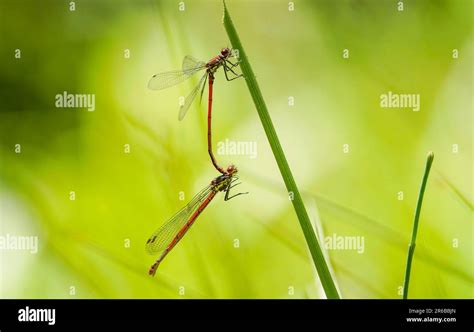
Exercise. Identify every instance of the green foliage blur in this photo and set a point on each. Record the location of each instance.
(251, 246)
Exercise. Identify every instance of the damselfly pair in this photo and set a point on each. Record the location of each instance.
(165, 238)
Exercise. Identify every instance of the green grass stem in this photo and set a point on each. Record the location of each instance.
(308, 231)
(411, 247)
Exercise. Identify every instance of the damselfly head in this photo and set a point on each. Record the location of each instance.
(225, 52)
(231, 170)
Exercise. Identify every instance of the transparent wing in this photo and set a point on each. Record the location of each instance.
(165, 80)
(190, 98)
(163, 236)
(190, 63)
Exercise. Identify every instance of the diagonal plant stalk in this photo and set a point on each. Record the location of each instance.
(308, 231)
(411, 247)
(456, 191)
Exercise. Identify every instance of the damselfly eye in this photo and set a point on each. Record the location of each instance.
(231, 169)
(225, 51)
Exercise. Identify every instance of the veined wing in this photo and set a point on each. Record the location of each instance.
(190, 63)
(190, 98)
(167, 79)
(163, 236)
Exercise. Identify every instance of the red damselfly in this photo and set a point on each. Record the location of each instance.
(165, 238)
(190, 67)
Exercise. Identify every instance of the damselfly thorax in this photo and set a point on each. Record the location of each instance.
(223, 182)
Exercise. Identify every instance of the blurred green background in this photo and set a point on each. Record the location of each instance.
(121, 198)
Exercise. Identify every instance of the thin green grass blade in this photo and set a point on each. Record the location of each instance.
(313, 245)
(411, 248)
(456, 191)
